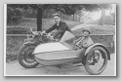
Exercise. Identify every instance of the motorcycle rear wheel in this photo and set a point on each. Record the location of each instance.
(26, 58)
(96, 64)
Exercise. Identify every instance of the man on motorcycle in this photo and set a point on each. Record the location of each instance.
(59, 25)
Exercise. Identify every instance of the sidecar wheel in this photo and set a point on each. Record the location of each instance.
(25, 57)
(96, 60)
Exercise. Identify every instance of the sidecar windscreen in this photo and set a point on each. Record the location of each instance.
(68, 37)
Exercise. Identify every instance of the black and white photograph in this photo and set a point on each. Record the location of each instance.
(60, 39)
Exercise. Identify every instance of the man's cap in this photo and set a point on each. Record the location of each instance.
(56, 14)
(87, 29)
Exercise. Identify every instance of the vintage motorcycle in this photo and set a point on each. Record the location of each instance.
(44, 50)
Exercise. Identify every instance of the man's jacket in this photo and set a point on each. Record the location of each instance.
(61, 28)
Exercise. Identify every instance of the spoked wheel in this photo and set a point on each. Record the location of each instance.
(26, 58)
(96, 60)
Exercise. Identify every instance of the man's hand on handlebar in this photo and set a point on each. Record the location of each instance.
(49, 35)
(43, 32)
(35, 32)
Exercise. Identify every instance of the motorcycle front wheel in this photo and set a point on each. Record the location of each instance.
(26, 58)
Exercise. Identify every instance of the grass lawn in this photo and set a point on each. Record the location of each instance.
(26, 23)
(15, 42)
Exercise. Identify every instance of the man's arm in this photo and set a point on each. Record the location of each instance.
(62, 28)
(50, 29)
(75, 41)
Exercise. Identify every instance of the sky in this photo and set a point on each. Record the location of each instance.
(97, 15)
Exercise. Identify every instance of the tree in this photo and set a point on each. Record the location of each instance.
(101, 22)
(68, 9)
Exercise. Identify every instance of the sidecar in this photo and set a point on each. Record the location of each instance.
(62, 52)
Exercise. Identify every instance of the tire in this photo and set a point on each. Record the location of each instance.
(89, 62)
(24, 54)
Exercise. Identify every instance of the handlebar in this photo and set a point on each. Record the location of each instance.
(41, 34)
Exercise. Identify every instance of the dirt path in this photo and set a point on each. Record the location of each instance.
(14, 68)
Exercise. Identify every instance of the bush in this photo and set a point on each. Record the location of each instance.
(13, 15)
(30, 13)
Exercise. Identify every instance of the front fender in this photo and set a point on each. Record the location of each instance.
(29, 43)
(97, 44)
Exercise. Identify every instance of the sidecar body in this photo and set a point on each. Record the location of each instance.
(61, 52)
(56, 53)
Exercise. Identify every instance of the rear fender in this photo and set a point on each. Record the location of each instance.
(97, 44)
